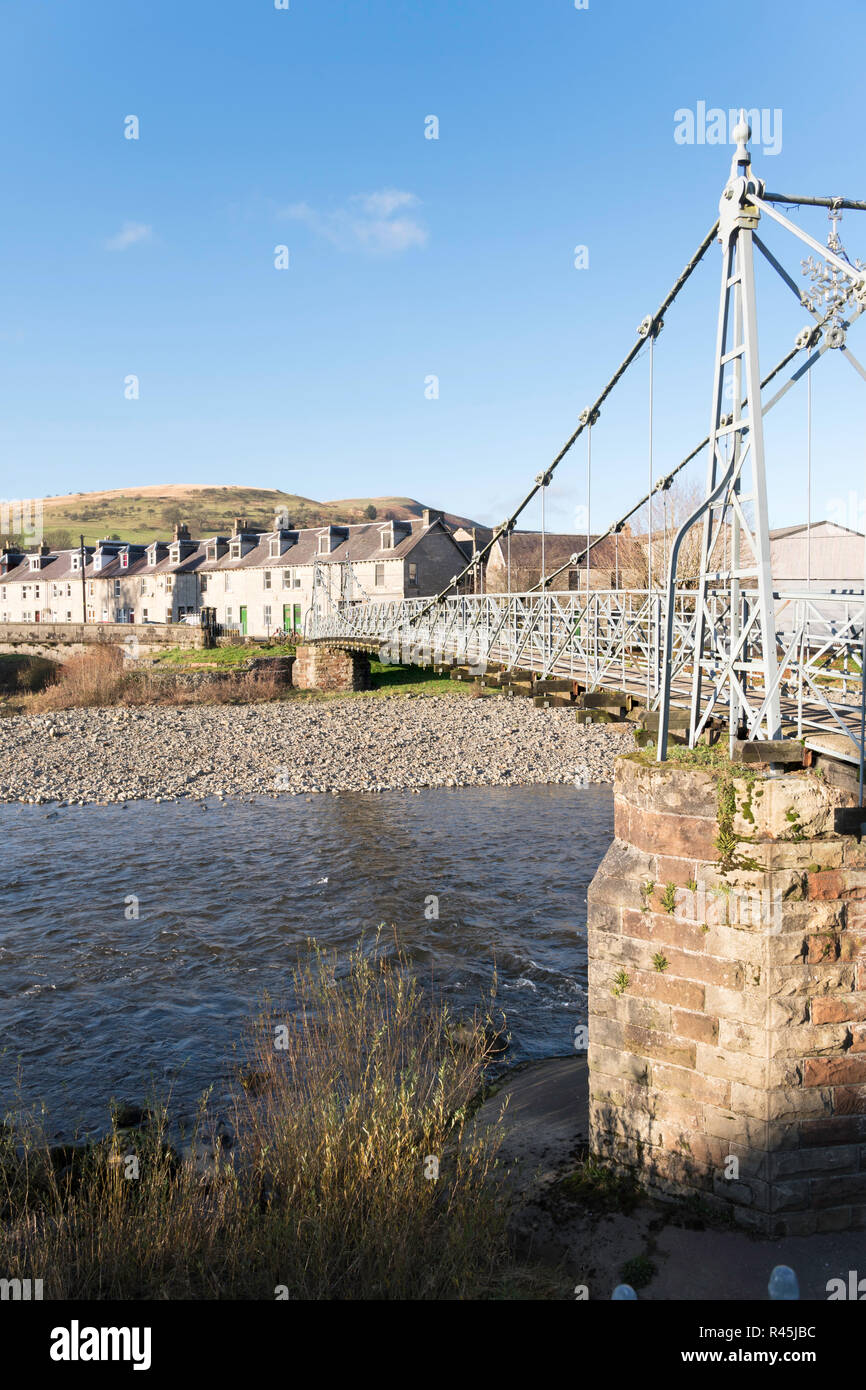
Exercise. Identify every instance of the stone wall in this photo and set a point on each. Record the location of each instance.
(62, 639)
(323, 667)
(727, 994)
(258, 670)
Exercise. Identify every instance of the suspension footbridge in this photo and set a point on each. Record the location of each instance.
(722, 644)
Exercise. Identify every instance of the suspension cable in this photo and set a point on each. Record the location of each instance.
(543, 491)
(809, 480)
(665, 482)
(588, 503)
(669, 298)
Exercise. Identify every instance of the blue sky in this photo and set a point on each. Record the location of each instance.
(409, 257)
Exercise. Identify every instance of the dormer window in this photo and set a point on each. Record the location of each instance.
(174, 554)
(124, 560)
(324, 544)
(97, 562)
(235, 550)
(76, 561)
(35, 562)
(274, 548)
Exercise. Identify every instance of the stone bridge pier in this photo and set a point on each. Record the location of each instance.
(328, 666)
(727, 993)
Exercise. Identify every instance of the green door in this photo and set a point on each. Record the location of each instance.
(244, 621)
(296, 625)
(287, 617)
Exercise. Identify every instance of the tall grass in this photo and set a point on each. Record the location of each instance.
(343, 1110)
(98, 676)
(103, 675)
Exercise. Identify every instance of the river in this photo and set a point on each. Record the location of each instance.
(98, 1002)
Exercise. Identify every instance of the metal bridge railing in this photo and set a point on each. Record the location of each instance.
(616, 638)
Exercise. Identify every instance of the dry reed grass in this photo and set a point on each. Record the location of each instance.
(103, 676)
(344, 1103)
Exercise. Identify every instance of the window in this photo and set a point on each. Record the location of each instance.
(144, 615)
(35, 562)
(287, 579)
(76, 562)
(204, 583)
(90, 587)
(69, 615)
(274, 548)
(35, 590)
(380, 576)
(228, 615)
(142, 586)
(413, 575)
(235, 550)
(267, 615)
(228, 582)
(169, 582)
(124, 560)
(117, 588)
(267, 579)
(69, 591)
(324, 544)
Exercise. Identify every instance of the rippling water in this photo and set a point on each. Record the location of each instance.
(94, 1005)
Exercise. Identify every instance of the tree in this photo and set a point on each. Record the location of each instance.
(59, 539)
(669, 511)
(370, 512)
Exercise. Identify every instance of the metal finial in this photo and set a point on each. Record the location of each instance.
(741, 134)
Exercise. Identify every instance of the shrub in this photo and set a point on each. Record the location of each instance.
(97, 676)
(342, 1102)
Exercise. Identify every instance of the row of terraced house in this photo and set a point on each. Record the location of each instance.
(255, 581)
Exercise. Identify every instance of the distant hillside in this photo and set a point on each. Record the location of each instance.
(140, 513)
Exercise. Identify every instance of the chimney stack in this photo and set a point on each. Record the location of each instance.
(181, 531)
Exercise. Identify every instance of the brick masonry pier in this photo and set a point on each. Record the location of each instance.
(727, 993)
(323, 667)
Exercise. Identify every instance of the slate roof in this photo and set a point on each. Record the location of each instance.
(362, 541)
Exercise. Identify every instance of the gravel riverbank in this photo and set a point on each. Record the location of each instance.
(123, 754)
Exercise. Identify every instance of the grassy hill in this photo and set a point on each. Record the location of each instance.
(140, 513)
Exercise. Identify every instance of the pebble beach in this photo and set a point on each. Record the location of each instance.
(116, 754)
